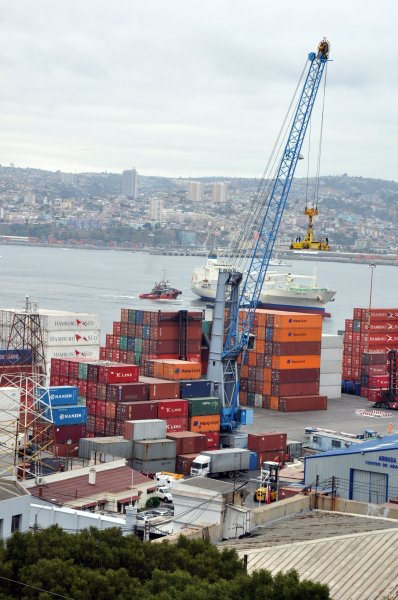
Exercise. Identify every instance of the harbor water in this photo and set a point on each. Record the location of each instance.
(104, 281)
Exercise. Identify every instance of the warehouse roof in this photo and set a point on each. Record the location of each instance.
(359, 566)
(206, 483)
(389, 442)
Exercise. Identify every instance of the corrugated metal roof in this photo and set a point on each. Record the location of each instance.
(206, 483)
(361, 566)
(389, 442)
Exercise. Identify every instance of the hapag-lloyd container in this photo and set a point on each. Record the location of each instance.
(172, 408)
(283, 319)
(151, 429)
(188, 442)
(293, 335)
(296, 362)
(154, 449)
(261, 442)
(205, 423)
(71, 338)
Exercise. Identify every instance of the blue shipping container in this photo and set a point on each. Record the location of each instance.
(195, 388)
(253, 461)
(67, 415)
(12, 357)
(60, 395)
(246, 416)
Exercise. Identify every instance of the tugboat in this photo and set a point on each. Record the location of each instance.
(161, 291)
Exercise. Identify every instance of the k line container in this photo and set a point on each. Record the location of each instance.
(293, 335)
(176, 424)
(154, 466)
(172, 408)
(188, 442)
(151, 429)
(203, 424)
(154, 449)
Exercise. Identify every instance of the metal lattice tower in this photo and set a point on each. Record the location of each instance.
(26, 427)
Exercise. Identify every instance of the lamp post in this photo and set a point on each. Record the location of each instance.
(372, 268)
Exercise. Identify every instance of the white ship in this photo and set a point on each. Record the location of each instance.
(281, 291)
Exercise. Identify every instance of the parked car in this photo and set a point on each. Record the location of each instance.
(164, 494)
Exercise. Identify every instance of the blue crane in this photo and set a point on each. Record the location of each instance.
(238, 293)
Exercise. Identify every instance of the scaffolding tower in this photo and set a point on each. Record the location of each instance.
(26, 424)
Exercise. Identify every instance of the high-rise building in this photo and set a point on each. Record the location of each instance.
(129, 183)
(195, 191)
(219, 192)
(155, 209)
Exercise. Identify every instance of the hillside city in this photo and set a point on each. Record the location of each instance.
(132, 211)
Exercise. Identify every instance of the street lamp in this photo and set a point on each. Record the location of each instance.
(372, 268)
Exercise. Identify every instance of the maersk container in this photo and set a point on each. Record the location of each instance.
(111, 446)
(60, 395)
(153, 466)
(154, 449)
(146, 429)
(198, 407)
(67, 415)
(195, 388)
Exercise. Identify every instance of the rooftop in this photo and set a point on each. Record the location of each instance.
(208, 484)
(9, 488)
(389, 442)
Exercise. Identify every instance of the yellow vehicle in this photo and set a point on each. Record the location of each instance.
(309, 242)
(268, 490)
(263, 495)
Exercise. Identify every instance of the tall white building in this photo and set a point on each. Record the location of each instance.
(195, 191)
(219, 192)
(156, 209)
(129, 183)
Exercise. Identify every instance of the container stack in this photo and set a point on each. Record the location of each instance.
(268, 446)
(152, 450)
(142, 335)
(283, 371)
(331, 365)
(204, 417)
(10, 398)
(370, 332)
(69, 418)
(188, 446)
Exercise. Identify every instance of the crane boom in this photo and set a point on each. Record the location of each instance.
(231, 333)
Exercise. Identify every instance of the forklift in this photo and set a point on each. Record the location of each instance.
(268, 490)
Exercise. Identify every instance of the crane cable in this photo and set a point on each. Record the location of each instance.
(320, 141)
(252, 220)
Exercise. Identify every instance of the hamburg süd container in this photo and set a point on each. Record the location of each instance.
(294, 335)
(71, 338)
(151, 429)
(52, 320)
(154, 449)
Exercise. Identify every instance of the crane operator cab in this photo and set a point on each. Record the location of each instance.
(268, 491)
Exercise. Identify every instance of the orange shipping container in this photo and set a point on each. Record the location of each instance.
(290, 334)
(181, 369)
(204, 423)
(280, 318)
(311, 361)
(252, 358)
(274, 403)
(266, 387)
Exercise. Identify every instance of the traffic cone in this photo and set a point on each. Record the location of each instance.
(389, 428)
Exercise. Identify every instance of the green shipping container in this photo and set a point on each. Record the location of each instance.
(206, 327)
(131, 315)
(123, 342)
(82, 371)
(209, 405)
(81, 400)
(138, 345)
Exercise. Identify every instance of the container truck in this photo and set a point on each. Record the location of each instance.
(227, 462)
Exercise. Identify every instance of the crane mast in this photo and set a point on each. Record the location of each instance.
(231, 335)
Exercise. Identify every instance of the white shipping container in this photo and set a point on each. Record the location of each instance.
(10, 398)
(331, 391)
(64, 321)
(331, 366)
(330, 340)
(72, 338)
(332, 354)
(330, 379)
(8, 416)
(71, 352)
(146, 429)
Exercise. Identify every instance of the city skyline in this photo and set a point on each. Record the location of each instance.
(192, 89)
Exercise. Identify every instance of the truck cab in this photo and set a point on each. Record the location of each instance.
(200, 466)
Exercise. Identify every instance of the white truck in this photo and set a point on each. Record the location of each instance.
(223, 462)
(166, 479)
(164, 494)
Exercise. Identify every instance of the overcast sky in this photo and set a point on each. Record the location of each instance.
(192, 87)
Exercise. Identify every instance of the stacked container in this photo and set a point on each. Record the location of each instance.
(269, 446)
(144, 335)
(10, 398)
(282, 372)
(188, 446)
(331, 365)
(152, 451)
(204, 417)
(371, 331)
(173, 369)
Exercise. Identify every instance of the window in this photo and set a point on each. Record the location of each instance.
(315, 439)
(16, 521)
(336, 444)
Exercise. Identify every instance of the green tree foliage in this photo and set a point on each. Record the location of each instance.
(105, 565)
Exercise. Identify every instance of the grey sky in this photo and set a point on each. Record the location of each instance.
(192, 87)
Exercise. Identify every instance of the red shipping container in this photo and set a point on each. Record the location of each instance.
(373, 395)
(374, 370)
(118, 373)
(161, 389)
(172, 408)
(100, 408)
(261, 442)
(184, 462)
(302, 403)
(135, 411)
(293, 348)
(189, 442)
(110, 410)
(295, 375)
(175, 424)
(213, 440)
(65, 450)
(69, 432)
(378, 381)
(273, 455)
(374, 358)
(128, 392)
(305, 388)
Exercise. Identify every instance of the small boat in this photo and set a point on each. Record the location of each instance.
(161, 291)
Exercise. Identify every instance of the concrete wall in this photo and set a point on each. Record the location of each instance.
(387, 511)
(279, 510)
(45, 515)
(9, 508)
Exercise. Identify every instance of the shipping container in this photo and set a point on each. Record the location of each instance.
(129, 411)
(188, 442)
(204, 423)
(98, 447)
(161, 389)
(296, 362)
(302, 403)
(118, 373)
(294, 335)
(52, 320)
(10, 398)
(154, 449)
(246, 416)
(304, 388)
(184, 463)
(295, 348)
(72, 433)
(57, 395)
(203, 406)
(176, 424)
(153, 466)
(262, 442)
(181, 369)
(233, 440)
(150, 429)
(172, 408)
(294, 375)
(128, 392)
(198, 388)
(67, 415)
(58, 338)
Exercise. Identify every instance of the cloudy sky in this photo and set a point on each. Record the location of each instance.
(192, 87)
